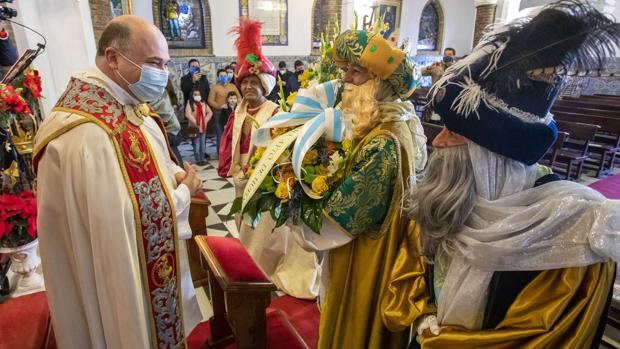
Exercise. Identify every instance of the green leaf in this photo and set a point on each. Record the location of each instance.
(312, 213)
(236, 207)
(309, 178)
(283, 216)
(267, 201)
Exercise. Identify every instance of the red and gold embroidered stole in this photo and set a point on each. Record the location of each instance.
(154, 215)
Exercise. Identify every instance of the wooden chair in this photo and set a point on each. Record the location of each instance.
(241, 294)
(198, 212)
(576, 146)
(550, 158)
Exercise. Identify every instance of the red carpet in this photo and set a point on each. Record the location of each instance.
(24, 323)
(610, 187)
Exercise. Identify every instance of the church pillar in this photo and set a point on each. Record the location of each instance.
(485, 15)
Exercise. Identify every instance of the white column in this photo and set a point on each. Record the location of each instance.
(71, 47)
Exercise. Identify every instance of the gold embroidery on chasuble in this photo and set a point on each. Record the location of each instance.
(154, 215)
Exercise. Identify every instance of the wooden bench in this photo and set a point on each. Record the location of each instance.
(551, 157)
(606, 143)
(241, 294)
(576, 147)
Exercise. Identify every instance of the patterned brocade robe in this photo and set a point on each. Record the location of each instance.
(368, 207)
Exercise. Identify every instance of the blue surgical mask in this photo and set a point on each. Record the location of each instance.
(222, 79)
(152, 82)
(230, 76)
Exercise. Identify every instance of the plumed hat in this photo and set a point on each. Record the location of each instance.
(374, 53)
(500, 95)
(250, 59)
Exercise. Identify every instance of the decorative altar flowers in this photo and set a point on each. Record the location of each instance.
(18, 219)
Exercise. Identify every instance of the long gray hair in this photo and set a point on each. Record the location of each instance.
(443, 200)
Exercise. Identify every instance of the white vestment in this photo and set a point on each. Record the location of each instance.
(87, 233)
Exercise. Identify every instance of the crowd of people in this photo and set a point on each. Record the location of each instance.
(472, 246)
(207, 107)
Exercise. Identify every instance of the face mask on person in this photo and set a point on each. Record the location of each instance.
(222, 79)
(230, 75)
(282, 71)
(197, 98)
(152, 82)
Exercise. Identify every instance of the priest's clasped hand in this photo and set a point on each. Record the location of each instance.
(191, 180)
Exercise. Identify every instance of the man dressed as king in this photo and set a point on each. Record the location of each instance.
(363, 218)
(113, 204)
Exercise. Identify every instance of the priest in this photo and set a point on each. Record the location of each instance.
(516, 257)
(112, 203)
(363, 221)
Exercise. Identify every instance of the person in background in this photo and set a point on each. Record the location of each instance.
(194, 79)
(231, 103)
(165, 108)
(283, 75)
(217, 101)
(230, 72)
(233, 65)
(293, 81)
(435, 70)
(198, 115)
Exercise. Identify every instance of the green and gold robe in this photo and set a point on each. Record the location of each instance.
(368, 206)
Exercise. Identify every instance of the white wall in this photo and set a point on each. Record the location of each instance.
(459, 20)
(71, 47)
(144, 9)
(225, 15)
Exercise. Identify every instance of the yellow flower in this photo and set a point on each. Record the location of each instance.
(282, 191)
(319, 185)
(310, 157)
(248, 173)
(331, 77)
(323, 170)
(259, 152)
(291, 98)
(346, 144)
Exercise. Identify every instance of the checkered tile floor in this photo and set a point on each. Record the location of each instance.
(219, 190)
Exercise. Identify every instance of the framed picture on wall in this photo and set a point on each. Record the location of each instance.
(273, 14)
(183, 23)
(120, 7)
(389, 10)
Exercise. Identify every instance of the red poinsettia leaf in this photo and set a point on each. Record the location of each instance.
(5, 228)
(32, 227)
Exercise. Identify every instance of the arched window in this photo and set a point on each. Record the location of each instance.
(431, 23)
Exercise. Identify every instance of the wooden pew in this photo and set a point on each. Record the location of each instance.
(576, 149)
(606, 143)
(586, 110)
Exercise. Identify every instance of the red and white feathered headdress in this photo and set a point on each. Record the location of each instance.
(250, 59)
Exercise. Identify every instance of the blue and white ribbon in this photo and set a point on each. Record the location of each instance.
(314, 109)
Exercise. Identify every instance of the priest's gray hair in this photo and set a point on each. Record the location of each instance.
(443, 200)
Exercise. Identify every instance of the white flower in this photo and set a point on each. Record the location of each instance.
(334, 163)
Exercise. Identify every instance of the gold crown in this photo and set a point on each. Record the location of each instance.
(23, 139)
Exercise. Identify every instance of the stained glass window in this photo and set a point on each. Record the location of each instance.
(183, 23)
(429, 28)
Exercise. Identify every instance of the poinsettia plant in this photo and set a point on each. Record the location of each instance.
(18, 219)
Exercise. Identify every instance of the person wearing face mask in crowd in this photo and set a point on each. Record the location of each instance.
(283, 75)
(112, 204)
(230, 72)
(198, 114)
(217, 101)
(293, 81)
(231, 103)
(194, 79)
